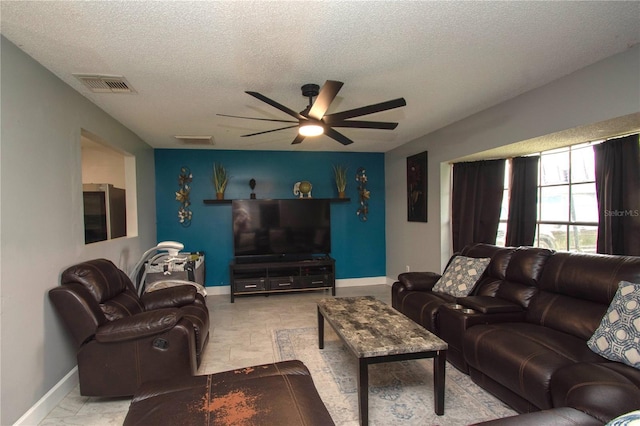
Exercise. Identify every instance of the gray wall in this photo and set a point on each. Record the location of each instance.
(605, 90)
(41, 228)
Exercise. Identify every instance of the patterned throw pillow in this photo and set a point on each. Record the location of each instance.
(618, 336)
(629, 419)
(461, 275)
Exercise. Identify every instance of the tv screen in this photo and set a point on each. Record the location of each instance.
(273, 228)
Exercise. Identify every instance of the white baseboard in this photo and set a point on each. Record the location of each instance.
(218, 290)
(50, 400)
(357, 282)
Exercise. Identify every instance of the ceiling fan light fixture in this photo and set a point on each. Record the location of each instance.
(314, 120)
(310, 130)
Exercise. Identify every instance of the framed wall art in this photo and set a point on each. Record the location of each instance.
(417, 187)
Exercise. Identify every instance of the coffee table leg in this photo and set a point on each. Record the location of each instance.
(320, 330)
(363, 392)
(438, 381)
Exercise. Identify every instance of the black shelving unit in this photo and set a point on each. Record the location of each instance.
(282, 276)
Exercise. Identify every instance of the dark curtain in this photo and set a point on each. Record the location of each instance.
(618, 190)
(523, 202)
(476, 201)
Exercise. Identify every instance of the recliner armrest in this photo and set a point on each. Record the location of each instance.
(137, 326)
(418, 281)
(171, 297)
(489, 304)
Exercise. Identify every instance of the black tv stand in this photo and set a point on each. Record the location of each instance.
(266, 277)
(274, 258)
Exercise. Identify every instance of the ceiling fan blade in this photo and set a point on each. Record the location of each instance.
(384, 125)
(366, 110)
(299, 138)
(255, 118)
(326, 95)
(333, 134)
(269, 131)
(276, 105)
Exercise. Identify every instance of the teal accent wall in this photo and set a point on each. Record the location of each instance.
(358, 247)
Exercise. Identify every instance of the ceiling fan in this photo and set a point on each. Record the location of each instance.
(312, 121)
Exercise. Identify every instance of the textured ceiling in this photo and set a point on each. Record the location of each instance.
(189, 61)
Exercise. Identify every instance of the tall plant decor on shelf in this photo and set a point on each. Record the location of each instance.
(340, 175)
(220, 180)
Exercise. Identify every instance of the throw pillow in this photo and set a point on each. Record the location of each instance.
(461, 275)
(618, 336)
(629, 419)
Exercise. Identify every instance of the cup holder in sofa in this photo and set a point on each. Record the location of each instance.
(460, 308)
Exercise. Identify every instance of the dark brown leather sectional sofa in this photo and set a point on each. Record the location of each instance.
(522, 332)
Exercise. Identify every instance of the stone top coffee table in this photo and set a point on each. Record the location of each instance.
(375, 333)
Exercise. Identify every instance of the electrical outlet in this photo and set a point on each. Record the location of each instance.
(408, 268)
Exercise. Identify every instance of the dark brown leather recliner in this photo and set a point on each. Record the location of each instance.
(124, 340)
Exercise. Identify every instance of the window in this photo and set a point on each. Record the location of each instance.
(567, 203)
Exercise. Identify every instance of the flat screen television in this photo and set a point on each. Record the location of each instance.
(266, 230)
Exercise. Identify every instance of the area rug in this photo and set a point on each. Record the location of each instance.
(400, 393)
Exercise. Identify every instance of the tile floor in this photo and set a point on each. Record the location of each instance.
(240, 336)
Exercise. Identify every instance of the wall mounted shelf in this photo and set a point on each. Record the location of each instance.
(332, 200)
(217, 201)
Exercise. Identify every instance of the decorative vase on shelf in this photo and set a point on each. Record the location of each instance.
(341, 194)
(219, 195)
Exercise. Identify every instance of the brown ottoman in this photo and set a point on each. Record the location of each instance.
(271, 394)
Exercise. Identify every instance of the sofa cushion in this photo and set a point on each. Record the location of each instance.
(495, 273)
(423, 306)
(603, 390)
(555, 416)
(461, 275)
(618, 336)
(523, 357)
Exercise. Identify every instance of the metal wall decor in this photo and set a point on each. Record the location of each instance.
(363, 208)
(182, 195)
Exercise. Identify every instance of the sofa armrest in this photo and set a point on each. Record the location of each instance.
(171, 297)
(489, 304)
(418, 281)
(137, 326)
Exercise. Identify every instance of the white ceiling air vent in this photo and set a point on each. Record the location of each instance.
(195, 140)
(105, 83)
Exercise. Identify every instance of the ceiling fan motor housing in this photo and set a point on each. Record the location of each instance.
(310, 90)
